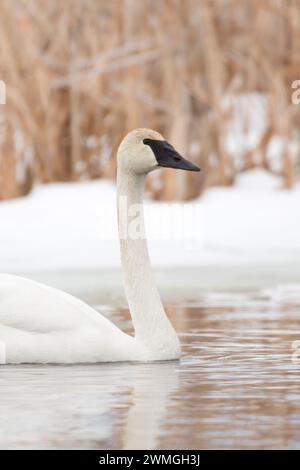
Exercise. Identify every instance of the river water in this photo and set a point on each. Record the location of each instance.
(236, 386)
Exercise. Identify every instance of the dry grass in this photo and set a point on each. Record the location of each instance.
(81, 73)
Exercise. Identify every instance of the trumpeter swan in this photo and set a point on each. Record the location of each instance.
(40, 324)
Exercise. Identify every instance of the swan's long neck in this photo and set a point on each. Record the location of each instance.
(151, 324)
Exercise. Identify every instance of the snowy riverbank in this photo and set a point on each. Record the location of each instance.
(65, 227)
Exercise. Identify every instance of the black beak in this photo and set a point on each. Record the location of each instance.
(167, 156)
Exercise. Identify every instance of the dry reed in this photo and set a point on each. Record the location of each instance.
(80, 74)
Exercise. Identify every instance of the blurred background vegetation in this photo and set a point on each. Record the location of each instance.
(214, 76)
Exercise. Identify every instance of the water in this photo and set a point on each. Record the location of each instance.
(236, 386)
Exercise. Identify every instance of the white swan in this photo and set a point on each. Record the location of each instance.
(39, 324)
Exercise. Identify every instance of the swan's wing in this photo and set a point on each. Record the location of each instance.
(30, 306)
(40, 324)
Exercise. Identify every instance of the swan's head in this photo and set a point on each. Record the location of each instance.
(144, 150)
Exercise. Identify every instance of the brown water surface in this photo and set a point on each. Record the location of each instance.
(236, 386)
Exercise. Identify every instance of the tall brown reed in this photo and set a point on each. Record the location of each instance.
(82, 73)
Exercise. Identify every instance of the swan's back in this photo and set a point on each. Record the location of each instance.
(42, 324)
(31, 306)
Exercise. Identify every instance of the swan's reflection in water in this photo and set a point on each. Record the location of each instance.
(235, 387)
(94, 406)
(151, 394)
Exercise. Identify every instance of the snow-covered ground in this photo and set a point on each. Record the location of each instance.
(73, 226)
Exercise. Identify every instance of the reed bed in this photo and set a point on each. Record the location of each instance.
(81, 73)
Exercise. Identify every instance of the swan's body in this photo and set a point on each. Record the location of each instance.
(39, 324)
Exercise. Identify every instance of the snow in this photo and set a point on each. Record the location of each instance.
(248, 115)
(247, 122)
(73, 226)
(257, 180)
